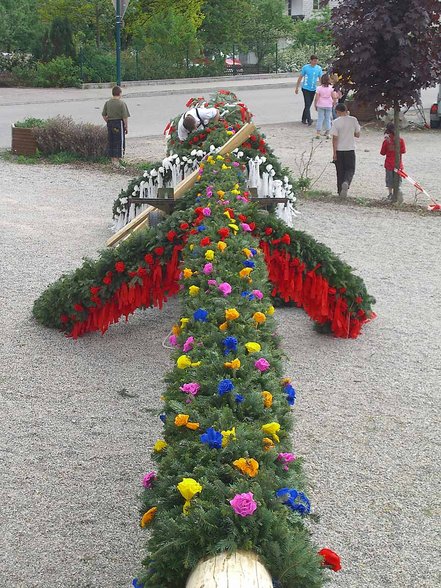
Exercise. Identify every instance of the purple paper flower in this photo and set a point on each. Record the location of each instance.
(244, 504)
(225, 288)
(188, 345)
(262, 364)
(173, 340)
(212, 283)
(148, 480)
(190, 388)
(245, 227)
(258, 294)
(208, 268)
(209, 191)
(236, 163)
(206, 211)
(286, 458)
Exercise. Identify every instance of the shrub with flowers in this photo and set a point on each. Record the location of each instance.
(231, 480)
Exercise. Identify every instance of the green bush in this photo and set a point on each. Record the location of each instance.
(30, 123)
(294, 58)
(97, 65)
(60, 72)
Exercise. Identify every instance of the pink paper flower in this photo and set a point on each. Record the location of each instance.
(209, 191)
(188, 345)
(246, 227)
(208, 268)
(206, 211)
(286, 458)
(262, 364)
(236, 163)
(148, 479)
(212, 282)
(258, 294)
(244, 504)
(190, 388)
(225, 288)
(173, 340)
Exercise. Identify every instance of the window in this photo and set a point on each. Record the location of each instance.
(319, 4)
(289, 7)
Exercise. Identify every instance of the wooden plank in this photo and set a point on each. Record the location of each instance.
(235, 141)
(128, 228)
(241, 569)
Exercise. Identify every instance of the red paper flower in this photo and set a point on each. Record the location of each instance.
(78, 307)
(94, 290)
(120, 266)
(330, 559)
(252, 226)
(108, 278)
(132, 274)
(184, 226)
(268, 231)
(189, 102)
(159, 251)
(359, 300)
(64, 318)
(223, 232)
(242, 218)
(142, 272)
(171, 236)
(286, 239)
(148, 258)
(205, 241)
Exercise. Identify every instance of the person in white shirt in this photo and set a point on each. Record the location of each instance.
(344, 130)
(194, 119)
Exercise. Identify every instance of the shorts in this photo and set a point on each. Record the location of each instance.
(390, 179)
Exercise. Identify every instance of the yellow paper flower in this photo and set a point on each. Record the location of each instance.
(253, 347)
(228, 133)
(176, 330)
(223, 327)
(219, 157)
(231, 314)
(159, 445)
(247, 252)
(148, 517)
(193, 290)
(224, 167)
(184, 321)
(234, 227)
(184, 362)
(210, 160)
(227, 214)
(209, 255)
(271, 310)
(267, 399)
(188, 488)
(182, 420)
(220, 193)
(187, 272)
(235, 192)
(247, 466)
(221, 246)
(191, 246)
(259, 317)
(267, 444)
(234, 365)
(245, 272)
(272, 429)
(227, 436)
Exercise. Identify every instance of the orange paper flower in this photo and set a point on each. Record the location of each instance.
(245, 272)
(267, 399)
(231, 314)
(247, 466)
(182, 420)
(234, 365)
(267, 443)
(148, 517)
(259, 317)
(223, 327)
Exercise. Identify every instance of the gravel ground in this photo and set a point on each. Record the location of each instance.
(79, 419)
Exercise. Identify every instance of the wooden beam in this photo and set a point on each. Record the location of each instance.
(241, 569)
(128, 228)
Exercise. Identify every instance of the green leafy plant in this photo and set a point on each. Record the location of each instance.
(30, 123)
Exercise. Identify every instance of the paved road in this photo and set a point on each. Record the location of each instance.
(272, 100)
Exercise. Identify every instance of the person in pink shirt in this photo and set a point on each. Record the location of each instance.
(323, 102)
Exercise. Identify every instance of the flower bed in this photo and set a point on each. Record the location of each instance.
(227, 478)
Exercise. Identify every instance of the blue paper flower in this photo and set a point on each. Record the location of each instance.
(163, 418)
(212, 438)
(290, 394)
(225, 386)
(200, 315)
(245, 293)
(249, 263)
(297, 501)
(230, 344)
(136, 583)
(239, 398)
(253, 251)
(201, 228)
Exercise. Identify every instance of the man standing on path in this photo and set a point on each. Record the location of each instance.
(344, 130)
(116, 115)
(309, 75)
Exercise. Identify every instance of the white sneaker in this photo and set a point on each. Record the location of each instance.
(344, 190)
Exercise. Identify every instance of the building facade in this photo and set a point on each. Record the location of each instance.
(299, 9)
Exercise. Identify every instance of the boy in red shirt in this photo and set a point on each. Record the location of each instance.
(388, 149)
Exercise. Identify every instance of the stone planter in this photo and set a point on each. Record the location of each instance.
(363, 111)
(23, 141)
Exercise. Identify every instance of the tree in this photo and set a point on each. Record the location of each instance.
(60, 38)
(390, 50)
(223, 24)
(19, 29)
(315, 30)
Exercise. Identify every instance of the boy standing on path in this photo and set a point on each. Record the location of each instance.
(310, 75)
(344, 130)
(116, 114)
(388, 149)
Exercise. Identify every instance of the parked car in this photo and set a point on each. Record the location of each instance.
(233, 66)
(435, 112)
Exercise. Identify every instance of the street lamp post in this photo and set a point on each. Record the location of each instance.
(118, 42)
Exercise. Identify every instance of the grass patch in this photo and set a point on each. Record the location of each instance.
(61, 158)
